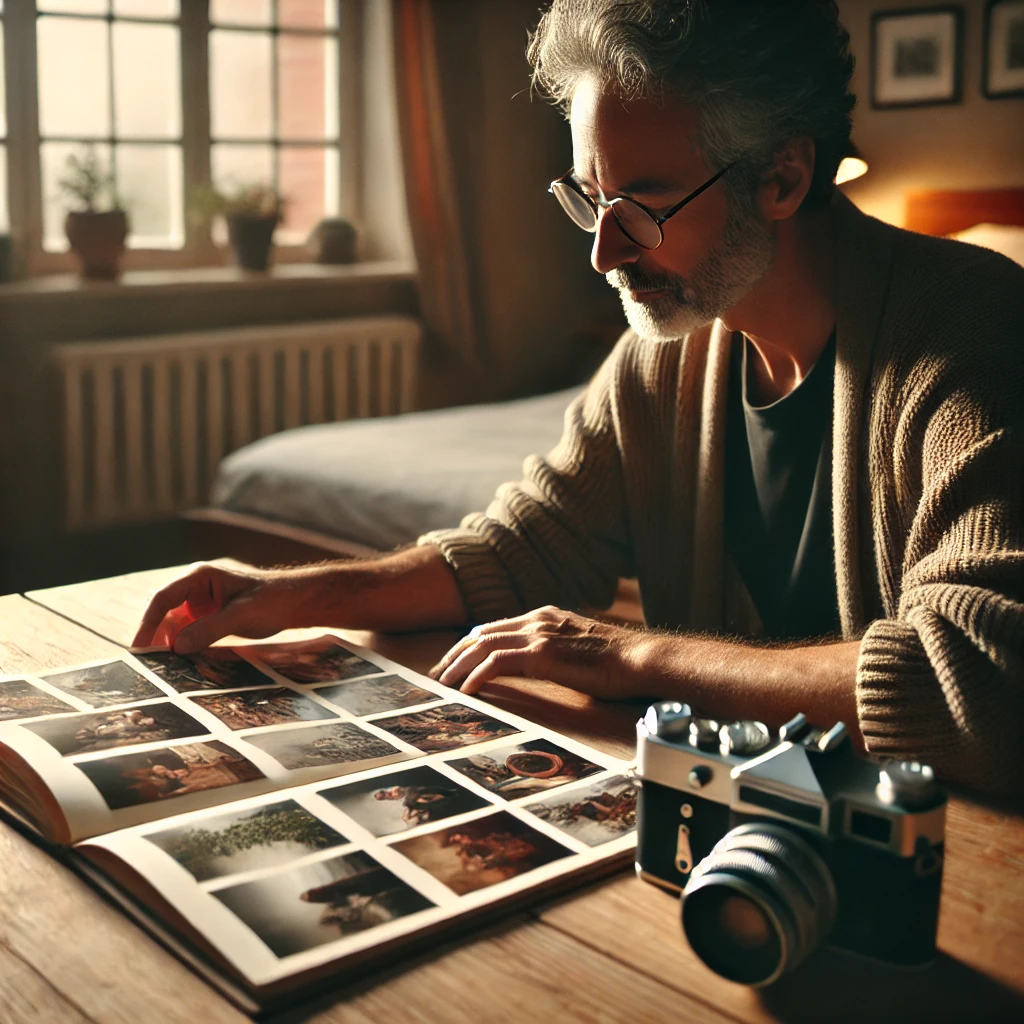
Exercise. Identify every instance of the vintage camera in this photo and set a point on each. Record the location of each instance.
(780, 843)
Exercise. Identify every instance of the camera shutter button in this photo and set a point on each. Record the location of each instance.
(699, 776)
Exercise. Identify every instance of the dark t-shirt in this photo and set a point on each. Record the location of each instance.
(778, 499)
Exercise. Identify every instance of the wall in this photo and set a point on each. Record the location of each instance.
(978, 143)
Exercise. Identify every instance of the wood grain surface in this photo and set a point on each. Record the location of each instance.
(611, 953)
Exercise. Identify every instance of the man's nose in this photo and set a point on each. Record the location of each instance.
(611, 246)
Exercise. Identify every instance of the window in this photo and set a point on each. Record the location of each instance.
(172, 95)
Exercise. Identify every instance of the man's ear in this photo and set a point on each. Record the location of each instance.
(785, 185)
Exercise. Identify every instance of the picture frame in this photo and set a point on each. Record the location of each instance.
(1003, 55)
(917, 57)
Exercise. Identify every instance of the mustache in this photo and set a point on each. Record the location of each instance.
(630, 276)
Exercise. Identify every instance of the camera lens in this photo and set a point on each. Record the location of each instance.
(758, 903)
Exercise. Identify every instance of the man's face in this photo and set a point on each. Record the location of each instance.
(713, 251)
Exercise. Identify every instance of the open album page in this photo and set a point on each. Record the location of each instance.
(93, 748)
(280, 885)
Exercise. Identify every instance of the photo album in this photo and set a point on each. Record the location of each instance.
(286, 814)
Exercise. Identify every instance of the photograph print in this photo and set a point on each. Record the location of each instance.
(525, 769)
(594, 814)
(216, 668)
(323, 660)
(445, 728)
(916, 57)
(1004, 49)
(402, 800)
(106, 730)
(133, 779)
(318, 746)
(376, 695)
(103, 685)
(249, 709)
(20, 699)
(268, 836)
(308, 906)
(481, 852)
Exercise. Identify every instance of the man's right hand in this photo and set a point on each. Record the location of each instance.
(410, 589)
(210, 602)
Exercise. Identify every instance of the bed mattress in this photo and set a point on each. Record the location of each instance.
(382, 482)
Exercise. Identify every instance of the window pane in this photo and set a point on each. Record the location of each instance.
(308, 95)
(3, 96)
(73, 77)
(147, 8)
(308, 13)
(150, 187)
(240, 94)
(147, 92)
(73, 6)
(233, 167)
(240, 12)
(4, 216)
(53, 157)
(309, 184)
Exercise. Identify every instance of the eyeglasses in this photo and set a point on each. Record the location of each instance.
(639, 224)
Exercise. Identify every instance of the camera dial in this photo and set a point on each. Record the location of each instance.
(669, 720)
(704, 733)
(744, 739)
(907, 784)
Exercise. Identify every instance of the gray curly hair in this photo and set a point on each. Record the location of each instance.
(761, 72)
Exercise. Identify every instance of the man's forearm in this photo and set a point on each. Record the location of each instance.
(770, 684)
(407, 590)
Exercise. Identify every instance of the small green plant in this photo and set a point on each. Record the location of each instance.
(86, 184)
(251, 200)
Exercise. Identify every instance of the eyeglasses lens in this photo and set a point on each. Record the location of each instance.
(637, 224)
(578, 208)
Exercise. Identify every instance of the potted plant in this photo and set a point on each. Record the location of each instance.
(251, 212)
(98, 226)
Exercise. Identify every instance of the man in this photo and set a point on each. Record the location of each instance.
(812, 433)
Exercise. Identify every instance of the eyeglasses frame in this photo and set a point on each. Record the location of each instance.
(600, 203)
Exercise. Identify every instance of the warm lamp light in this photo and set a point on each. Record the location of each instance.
(853, 165)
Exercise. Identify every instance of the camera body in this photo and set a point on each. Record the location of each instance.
(780, 842)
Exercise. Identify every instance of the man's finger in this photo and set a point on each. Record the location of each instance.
(203, 632)
(480, 649)
(521, 662)
(163, 601)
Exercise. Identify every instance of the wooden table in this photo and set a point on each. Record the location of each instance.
(613, 952)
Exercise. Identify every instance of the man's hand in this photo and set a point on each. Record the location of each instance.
(547, 643)
(210, 602)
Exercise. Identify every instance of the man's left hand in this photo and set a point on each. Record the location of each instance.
(547, 643)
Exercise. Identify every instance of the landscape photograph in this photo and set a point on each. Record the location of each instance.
(249, 709)
(103, 685)
(401, 800)
(445, 728)
(106, 730)
(323, 660)
(482, 852)
(316, 903)
(376, 695)
(594, 814)
(267, 836)
(317, 746)
(132, 779)
(20, 699)
(525, 769)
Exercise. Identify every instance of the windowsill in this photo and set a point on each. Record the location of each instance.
(284, 276)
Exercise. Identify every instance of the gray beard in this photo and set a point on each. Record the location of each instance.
(717, 283)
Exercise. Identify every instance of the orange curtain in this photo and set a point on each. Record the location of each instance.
(439, 238)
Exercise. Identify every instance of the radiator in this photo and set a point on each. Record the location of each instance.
(147, 420)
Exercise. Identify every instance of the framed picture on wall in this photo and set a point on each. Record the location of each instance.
(916, 57)
(1004, 49)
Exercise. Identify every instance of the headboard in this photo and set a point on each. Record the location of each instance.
(942, 213)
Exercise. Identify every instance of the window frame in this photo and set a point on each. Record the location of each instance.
(23, 141)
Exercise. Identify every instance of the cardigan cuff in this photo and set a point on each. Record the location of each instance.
(900, 705)
(486, 589)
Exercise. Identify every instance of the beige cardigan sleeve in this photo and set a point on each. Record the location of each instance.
(941, 679)
(558, 536)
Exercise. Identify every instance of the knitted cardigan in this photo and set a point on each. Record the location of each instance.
(927, 492)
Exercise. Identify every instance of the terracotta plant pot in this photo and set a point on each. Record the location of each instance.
(251, 238)
(97, 239)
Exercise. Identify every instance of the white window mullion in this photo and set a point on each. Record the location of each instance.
(195, 101)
